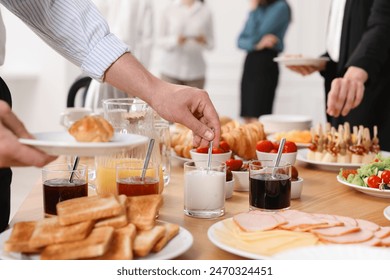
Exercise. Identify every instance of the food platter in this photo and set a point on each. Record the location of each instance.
(177, 246)
(331, 166)
(236, 251)
(300, 61)
(366, 190)
(62, 143)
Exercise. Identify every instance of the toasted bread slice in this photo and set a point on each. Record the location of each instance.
(171, 230)
(142, 210)
(116, 221)
(20, 237)
(96, 244)
(88, 208)
(49, 231)
(121, 247)
(146, 239)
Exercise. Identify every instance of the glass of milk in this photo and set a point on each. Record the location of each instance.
(204, 189)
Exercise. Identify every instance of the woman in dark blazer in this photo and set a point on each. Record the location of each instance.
(358, 85)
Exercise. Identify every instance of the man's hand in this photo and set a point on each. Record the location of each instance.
(12, 152)
(346, 93)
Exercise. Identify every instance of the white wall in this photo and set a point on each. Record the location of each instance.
(39, 78)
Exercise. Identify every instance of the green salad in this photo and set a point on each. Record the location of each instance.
(372, 175)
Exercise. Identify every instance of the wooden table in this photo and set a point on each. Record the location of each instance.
(321, 194)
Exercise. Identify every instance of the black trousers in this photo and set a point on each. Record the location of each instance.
(5, 173)
(258, 84)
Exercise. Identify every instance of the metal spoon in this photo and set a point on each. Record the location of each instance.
(75, 164)
(210, 152)
(279, 155)
(147, 159)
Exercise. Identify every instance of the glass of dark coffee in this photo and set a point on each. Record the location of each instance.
(61, 182)
(269, 186)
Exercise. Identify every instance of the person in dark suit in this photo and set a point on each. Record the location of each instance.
(357, 84)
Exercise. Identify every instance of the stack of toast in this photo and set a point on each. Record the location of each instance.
(95, 227)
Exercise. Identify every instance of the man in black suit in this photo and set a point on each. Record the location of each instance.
(357, 85)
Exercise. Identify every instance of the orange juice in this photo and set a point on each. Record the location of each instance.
(106, 174)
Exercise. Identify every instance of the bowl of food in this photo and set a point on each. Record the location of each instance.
(276, 123)
(267, 150)
(240, 173)
(296, 184)
(221, 154)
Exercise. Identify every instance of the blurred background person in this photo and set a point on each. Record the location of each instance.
(262, 37)
(186, 31)
(357, 76)
(132, 21)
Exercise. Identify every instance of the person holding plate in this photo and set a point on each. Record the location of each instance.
(357, 75)
(77, 30)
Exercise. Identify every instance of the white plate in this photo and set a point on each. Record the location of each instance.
(386, 212)
(332, 166)
(366, 190)
(335, 252)
(181, 159)
(214, 239)
(279, 122)
(300, 61)
(62, 143)
(177, 246)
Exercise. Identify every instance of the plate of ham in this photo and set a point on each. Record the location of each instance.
(265, 235)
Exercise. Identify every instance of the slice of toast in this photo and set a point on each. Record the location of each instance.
(121, 247)
(116, 221)
(96, 244)
(171, 230)
(20, 237)
(49, 231)
(146, 239)
(88, 208)
(142, 210)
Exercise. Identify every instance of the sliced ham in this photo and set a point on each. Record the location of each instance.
(385, 241)
(372, 242)
(335, 231)
(256, 222)
(382, 232)
(367, 225)
(349, 238)
(346, 220)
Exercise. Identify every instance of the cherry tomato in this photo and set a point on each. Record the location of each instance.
(273, 151)
(234, 164)
(276, 146)
(217, 151)
(290, 147)
(202, 150)
(224, 146)
(386, 176)
(374, 181)
(346, 172)
(264, 146)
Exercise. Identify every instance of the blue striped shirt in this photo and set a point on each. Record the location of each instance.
(75, 29)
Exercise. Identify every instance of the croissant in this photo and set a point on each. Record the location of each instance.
(181, 138)
(183, 151)
(92, 129)
(242, 140)
(227, 127)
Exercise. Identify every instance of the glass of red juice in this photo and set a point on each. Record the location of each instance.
(269, 186)
(129, 180)
(61, 182)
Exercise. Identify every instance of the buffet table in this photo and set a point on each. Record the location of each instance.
(321, 194)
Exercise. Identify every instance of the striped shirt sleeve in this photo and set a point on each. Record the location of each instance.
(75, 29)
